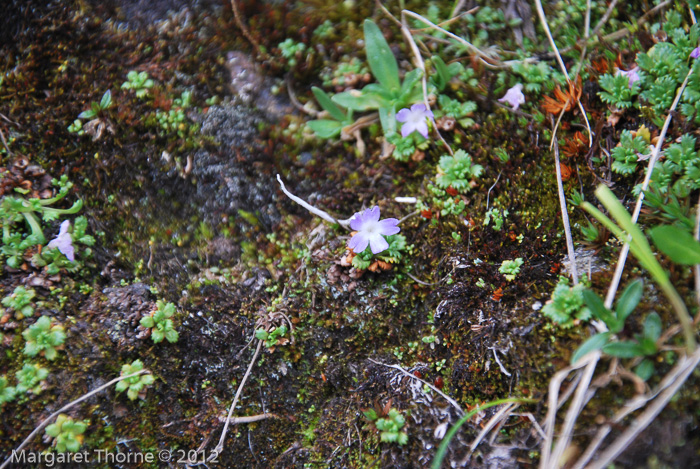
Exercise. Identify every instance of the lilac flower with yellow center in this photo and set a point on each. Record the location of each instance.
(514, 96)
(414, 119)
(371, 231)
(63, 242)
(631, 75)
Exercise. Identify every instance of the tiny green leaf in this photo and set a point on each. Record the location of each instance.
(595, 342)
(327, 103)
(624, 349)
(652, 327)
(628, 301)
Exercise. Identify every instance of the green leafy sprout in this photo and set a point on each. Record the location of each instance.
(511, 268)
(272, 338)
(567, 304)
(160, 324)
(136, 384)
(390, 426)
(20, 301)
(139, 82)
(43, 337)
(67, 434)
(29, 378)
(457, 171)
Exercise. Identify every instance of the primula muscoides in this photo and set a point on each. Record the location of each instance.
(371, 231)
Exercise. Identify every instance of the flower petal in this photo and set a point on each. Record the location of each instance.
(359, 242)
(64, 228)
(418, 108)
(377, 243)
(422, 128)
(407, 129)
(68, 251)
(403, 115)
(372, 214)
(389, 226)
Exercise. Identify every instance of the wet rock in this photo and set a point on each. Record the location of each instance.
(121, 312)
(252, 88)
(227, 180)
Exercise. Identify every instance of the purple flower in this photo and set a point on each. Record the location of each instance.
(632, 75)
(414, 119)
(696, 53)
(63, 242)
(371, 231)
(514, 96)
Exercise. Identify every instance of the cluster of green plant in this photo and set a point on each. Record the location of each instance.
(679, 173)
(496, 218)
(29, 378)
(43, 338)
(567, 304)
(389, 94)
(457, 110)
(389, 426)
(619, 90)
(67, 434)
(662, 68)
(136, 384)
(457, 171)
(291, 50)
(405, 147)
(139, 82)
(627, 153)
(16, 209)
(160, 324)
(175, 122)
(347, 67)
(325, 29)
(20, 301)
(485, 20)
(676, 243)
(392, 255)
(511, 268)
(96, 110)
(537, 76)
(273, 337)
(644, 344)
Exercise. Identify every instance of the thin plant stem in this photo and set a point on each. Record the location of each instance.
(220, 446)
(565, 216)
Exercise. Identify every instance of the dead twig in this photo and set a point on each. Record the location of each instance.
(244, 30)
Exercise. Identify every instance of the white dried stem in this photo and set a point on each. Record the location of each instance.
(311, 208)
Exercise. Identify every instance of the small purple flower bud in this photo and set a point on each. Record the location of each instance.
(696, 53)
(514, 96)
(63, 242)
